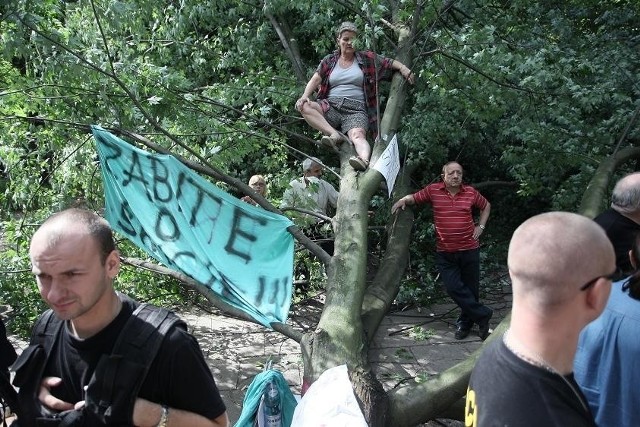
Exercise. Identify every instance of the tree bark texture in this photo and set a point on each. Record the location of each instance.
(371, 396)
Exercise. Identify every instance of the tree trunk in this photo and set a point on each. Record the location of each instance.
(338, 338)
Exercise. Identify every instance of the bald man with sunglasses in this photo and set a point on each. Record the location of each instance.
(561, 266)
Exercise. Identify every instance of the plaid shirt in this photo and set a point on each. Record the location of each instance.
(367, 60)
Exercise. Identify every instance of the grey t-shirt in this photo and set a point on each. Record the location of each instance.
(346, 82)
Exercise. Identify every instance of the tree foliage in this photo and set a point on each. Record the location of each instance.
(535, 94)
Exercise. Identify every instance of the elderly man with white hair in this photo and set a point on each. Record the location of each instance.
(312, 196)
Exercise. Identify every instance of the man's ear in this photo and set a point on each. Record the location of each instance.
(632, 261)
(597, 296)
(112, 264)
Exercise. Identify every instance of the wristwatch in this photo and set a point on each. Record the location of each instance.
(481, 226)
(163, 417)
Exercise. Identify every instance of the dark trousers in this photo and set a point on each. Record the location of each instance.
(460, 273)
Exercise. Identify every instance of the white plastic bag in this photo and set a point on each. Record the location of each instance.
(329, 402)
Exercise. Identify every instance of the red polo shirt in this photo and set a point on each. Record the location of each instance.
(452, 215)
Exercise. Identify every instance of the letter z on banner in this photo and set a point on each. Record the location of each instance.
(242, 253)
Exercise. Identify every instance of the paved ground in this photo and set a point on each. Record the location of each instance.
(409, 344)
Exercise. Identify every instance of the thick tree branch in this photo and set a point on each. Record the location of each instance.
(289, 42)
(384, 288)
(407, 404)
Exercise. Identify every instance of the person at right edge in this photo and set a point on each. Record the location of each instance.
(621, 221)
(457, 246)
(606, 364)
(347, 100)
(561, 265)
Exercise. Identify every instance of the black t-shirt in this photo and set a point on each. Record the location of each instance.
(622, 232)
(506, 391)
(178, 377)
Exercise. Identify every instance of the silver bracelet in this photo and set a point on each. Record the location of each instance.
(481, 226)
(164, 417)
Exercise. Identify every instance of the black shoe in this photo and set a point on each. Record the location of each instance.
(483, 327)
(461, 333)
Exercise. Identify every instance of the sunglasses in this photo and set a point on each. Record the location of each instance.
(613, 276)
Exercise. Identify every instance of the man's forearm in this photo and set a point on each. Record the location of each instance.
(150, 414)
(484, 215)
(178, 417)
(402, 202)
(409, 199)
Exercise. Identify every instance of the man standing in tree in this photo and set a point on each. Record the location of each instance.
(314, 195)
(457, 246)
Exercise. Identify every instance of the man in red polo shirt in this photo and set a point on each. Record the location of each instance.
(457, 247)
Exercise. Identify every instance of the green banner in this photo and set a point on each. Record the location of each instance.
(242, 253)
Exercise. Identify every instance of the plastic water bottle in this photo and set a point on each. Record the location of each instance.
(272, 410)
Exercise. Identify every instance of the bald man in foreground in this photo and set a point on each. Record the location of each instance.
(560, 265)
(78, 380)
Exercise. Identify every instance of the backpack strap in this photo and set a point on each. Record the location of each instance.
(142, 336)
(30, 364)
(144, 332)
(117, 380)
(45, 330)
